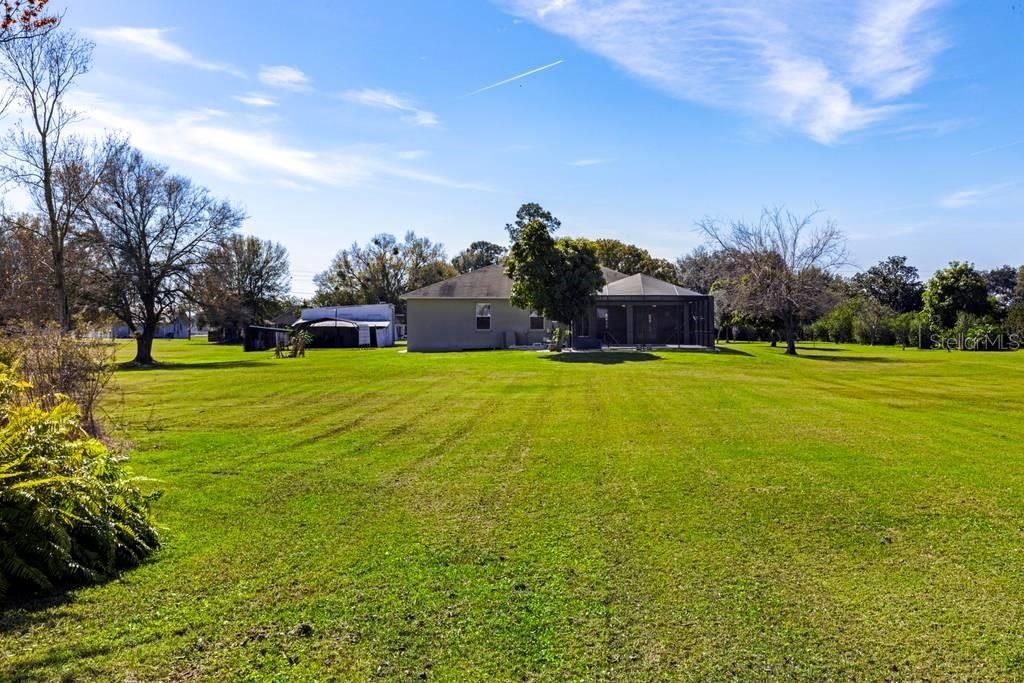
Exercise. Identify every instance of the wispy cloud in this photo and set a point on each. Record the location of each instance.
(513, 78)
(970, 197)
(997, 147)
(385, 99)
(221, 144)
(893, 45)
(154, 43)
(588, 162)
(823, 67)
(255, 99)
(286, 77)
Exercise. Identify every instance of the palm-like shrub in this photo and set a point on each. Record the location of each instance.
(69, 512)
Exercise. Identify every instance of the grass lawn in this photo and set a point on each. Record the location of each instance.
(854, 513)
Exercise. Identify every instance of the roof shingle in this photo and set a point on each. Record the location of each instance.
(490, 282)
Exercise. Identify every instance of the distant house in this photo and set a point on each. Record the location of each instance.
(349, 326)
(472, 311)
(176, 329)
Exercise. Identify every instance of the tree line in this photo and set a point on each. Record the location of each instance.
(112, 234)
(777, 278)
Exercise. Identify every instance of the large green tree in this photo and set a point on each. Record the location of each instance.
(1001, 283)
(701, 269)
(532, 212)
(557, 278)
(631, 259)
(1015, 309)
(958, 288)
(893, 283)
(479, 254)
(381, 271)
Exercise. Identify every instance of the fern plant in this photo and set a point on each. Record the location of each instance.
(69, 512)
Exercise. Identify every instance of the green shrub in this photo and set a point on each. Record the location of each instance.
(69, 512)
(986, 337)
(857, 319)
(837, 324)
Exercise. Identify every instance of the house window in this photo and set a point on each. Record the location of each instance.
(536, 321)
(483, 317)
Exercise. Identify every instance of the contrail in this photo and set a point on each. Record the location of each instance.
(992, 149)
(514, 78)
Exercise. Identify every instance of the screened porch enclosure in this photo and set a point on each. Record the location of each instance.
(669, 323)
(611, 325)
(658, 324)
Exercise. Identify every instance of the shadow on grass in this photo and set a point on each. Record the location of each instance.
(22, 611)
(846, 359)
(827, 349)
(211, 365)
(36, 668)
(21, 614)
(732, 351)
(602, 357)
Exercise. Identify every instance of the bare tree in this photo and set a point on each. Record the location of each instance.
(152, 232)
(779, 267)
(244, 280)
(57, 169)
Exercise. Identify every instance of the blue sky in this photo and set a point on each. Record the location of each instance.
(900, 119)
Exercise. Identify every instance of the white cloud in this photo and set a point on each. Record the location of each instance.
(823, 67)
(153, 42)
(588, 162)
(970, 197)
(893, 45)
(286, 77)
(385, 99)
(255, 99)
(219, 143)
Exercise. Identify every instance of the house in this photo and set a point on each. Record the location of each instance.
(349, 326)
(180, 328)
(472, 311)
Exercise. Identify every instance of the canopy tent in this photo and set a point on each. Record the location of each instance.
(377, 324)
(349, 326)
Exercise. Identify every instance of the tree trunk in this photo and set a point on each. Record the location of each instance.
(57, 239)
(60, 292)
(63, 301)
(144, 349)
(790, 338)
(144, 341)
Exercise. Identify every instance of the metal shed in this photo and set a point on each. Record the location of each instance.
(349, 326)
